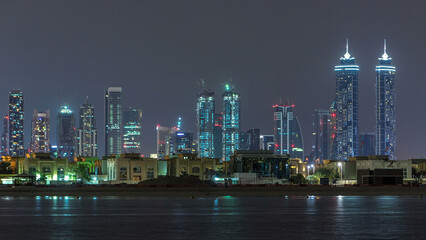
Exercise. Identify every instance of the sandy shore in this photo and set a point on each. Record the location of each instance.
(253, 191)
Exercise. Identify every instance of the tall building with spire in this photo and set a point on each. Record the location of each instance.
(113, 120)
(347, 106)
(385, 107)
(205, 123)
(16, 123)
(231, 122)
(40, 132)
(87, 134)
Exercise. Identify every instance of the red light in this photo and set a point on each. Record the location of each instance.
(292, 105)
(292, 145)
(276, 145)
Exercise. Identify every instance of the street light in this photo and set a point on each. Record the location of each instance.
(308, 169)
(340, 165)
(313, 169)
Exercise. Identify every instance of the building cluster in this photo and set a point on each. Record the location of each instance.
(122, 129)
(336, 131)
(219, 135)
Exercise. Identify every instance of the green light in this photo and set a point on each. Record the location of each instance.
(227, 87)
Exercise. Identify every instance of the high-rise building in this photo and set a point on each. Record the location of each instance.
(254, 139)
(385, 107)
(40, 132)
(367, 144)
(165, 141)
(16, 123)
(66, 133)
(5, 137)
(267, 142)
(113, 120)
(347, 106)
(333, 132)
(288, 134)
(231, 122)
(87, 134)
(244, 141)
(184, 142)
(132, 130)
(217, 135)
(205, 123)
(321, 133)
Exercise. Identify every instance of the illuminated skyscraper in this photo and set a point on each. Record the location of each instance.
(205, 123)
(66, 133)
(132, 130)
(333, 132)
(113, 120)
(40, 132)
(16, 123)
(288, 134)
(87, 134)
(321, 135)
(347, 107)
(231, 122)
(385, 107)
(5, 137)
(184, 142)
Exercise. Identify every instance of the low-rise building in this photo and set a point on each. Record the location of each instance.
(262, 162)
(191, 164)
(130, 168)
(297, 166)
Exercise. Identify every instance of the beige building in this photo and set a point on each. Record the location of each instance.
(190, 164)
(130, 168)
(42, 165)
(297, 166)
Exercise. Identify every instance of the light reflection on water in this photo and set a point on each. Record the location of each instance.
(225, 217)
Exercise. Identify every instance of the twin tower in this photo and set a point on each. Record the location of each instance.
(344, 109)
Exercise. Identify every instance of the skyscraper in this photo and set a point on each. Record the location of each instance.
(385, 107)
(113, 120)
(231, 122)
(205, 123)
(5, 137)
(165, 141)
(254, 139)
(16, 123)
(367, 144)
(347, 106)
(66, 133)
(132, 130)
(87, 134)
(321, 133)
(40, 132)
(267, 142)
(184, 141)
(287, 132)
(217, 135)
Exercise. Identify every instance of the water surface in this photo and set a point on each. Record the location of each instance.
(226, 217)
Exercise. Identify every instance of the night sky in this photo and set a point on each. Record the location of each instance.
(62, 51)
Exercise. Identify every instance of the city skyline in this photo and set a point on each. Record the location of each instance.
(245, 48)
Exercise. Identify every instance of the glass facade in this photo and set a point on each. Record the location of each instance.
(254, 139)
(205, 123)
(5, 137)
(385, 107)
(321, 133)
(267, 142)
(165, 141)
(66, 133)
(132, 130)
(347, 107)
(113, 120)
(40, 132)
(231, 122)
(287, 132)
(16, 123)
(367, 144)
(183, 141)
(217, 135)
(87, 134)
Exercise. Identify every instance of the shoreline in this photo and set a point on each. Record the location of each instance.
(235, 191)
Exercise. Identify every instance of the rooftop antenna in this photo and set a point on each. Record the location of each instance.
(384, 46)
